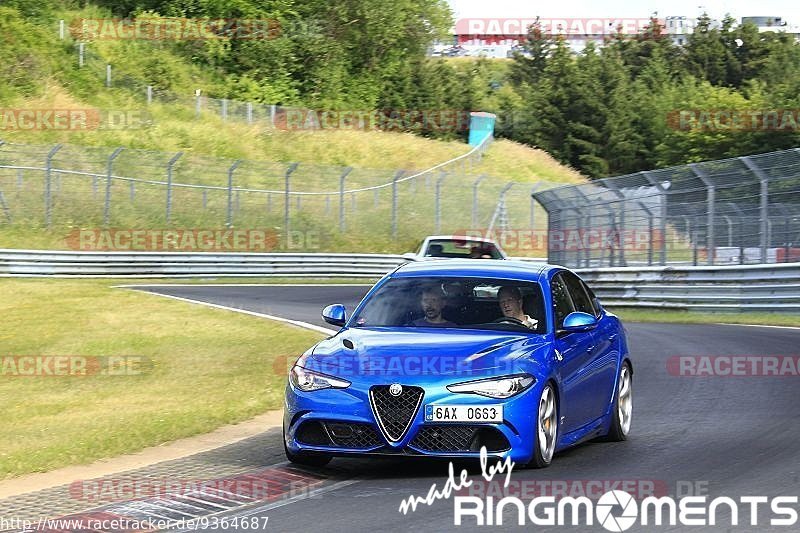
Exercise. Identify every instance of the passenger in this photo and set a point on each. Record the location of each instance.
(510, 300)
(433, 303)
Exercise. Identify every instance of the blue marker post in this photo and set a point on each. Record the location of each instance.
(481, 126)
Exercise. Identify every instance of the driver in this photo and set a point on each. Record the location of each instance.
(510, 300)
(432, 303)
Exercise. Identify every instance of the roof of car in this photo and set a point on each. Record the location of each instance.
(490, 268)
(458, 238)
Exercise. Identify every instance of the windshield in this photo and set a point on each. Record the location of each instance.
(455, 302)
(462, 249)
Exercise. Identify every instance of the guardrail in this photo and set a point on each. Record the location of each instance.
(33, 263)
(724, 288)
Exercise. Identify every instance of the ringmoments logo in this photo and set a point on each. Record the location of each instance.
(618, 511)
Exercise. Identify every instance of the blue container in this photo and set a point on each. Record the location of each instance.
(481, 126)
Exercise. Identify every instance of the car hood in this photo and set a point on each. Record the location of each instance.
(391, 352)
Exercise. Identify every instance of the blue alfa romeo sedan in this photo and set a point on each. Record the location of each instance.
(446, 358)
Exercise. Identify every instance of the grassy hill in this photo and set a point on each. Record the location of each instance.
(53, 80)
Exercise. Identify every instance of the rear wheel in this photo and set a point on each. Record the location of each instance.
(623, 406)
(546, 428)
(306, 459)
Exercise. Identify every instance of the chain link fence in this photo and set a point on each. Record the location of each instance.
(64, 187)
(743, 210)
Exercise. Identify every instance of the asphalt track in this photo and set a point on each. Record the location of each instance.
(714, 436)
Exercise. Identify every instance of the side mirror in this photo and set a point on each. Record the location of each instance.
(577, 321)
(410, 256)
(335, 314)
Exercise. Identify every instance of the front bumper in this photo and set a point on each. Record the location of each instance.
(341, 422)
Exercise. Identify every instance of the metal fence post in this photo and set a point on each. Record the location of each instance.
(475, 200)
(711, 245)
(197, 103)
(394, 201)
(48, 178)
(346, 171)
(649, 232)
(224, 110)
(249, 112)
(662, 216)
(6, 212)
(764, 203)
(149, 94)
(286, 207)
(170, 164)
(61, 29)
(109, 167)
(621, 229)
(438, 203)
(81, 54)
(231, 170)
(108, 75)
(533, 201)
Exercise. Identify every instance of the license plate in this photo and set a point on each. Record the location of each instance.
(464, 413)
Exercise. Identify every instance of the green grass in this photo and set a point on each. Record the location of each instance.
(687, 317)
(210, 368)
(54, 81)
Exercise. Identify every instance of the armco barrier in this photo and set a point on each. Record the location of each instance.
(725, 288)
(32, 263)
(722, 288)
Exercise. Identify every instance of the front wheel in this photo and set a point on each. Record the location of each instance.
(546, 429)
(623, 406)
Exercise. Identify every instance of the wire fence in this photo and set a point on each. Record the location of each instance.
(67, 187)
(743, 210)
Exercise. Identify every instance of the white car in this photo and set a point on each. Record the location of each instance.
(456, 247)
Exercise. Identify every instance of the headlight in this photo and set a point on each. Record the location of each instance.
(504, 387)
(308, 381)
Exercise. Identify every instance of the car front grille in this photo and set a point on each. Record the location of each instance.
(459, 438)
(395, 413)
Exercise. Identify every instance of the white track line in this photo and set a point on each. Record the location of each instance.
(298, 323)
(756, 326)
(139, 285)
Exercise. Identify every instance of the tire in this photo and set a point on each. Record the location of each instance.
(546, 436)
(306, 459)
(623, 406)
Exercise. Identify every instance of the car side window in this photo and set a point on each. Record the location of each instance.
(580, 297)
(598, 309)
(562, 303)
